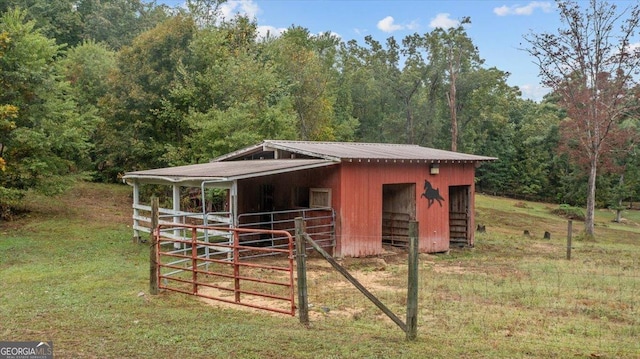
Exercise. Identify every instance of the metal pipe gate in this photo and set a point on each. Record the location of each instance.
(218, 268)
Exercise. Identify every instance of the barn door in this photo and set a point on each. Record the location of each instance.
(398, 208)
(459, 213)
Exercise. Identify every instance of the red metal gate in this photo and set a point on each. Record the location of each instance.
(215, 265)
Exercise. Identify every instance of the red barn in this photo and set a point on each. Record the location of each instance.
(373, 190)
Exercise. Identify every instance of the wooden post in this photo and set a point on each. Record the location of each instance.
(569, 230)
(153, 250)
(301, 269)
(136, 213)
(412, 287)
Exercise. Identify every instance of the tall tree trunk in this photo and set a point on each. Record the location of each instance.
(454, 119)
(451, 97)
(410, 129)
(619, 209)
(589, 225)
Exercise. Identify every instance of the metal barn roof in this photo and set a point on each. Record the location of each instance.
(349, 151)
(273, 157)
(222, 171)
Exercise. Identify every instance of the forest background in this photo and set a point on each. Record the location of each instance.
(90, 89)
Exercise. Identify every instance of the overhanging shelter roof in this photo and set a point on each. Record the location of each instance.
(275, 156)
(221, 172)
(350, 152)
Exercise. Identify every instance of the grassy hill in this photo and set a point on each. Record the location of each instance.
(71, 274)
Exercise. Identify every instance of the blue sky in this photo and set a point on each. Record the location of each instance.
(497, 27)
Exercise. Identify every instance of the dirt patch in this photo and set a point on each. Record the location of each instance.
(374, 273)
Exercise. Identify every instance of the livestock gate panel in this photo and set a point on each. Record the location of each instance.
(222, 269)
(318, 221)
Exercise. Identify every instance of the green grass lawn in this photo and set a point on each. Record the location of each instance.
(69, 273)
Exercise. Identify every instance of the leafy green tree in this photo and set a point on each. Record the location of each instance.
(87, 68)
(136, 133)
(55, 19)
(536, 139)
(453, 53)
(523, 135)
(42, 139)
(234, 94)
(69, 22)
(205, 12)
(118, 22)
(482, 95)
(368, 100)
(404, 83)
(305, 62)
(8, 112)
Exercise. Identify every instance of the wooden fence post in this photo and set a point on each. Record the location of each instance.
(153, 264)
(569, 230)
(301, 269)
(412, 287)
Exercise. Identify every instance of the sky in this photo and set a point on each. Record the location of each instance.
(497, 27)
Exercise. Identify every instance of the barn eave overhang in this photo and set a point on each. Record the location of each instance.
(177, 180)
(216, 181)
(417, 160)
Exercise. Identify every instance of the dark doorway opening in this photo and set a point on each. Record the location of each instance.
(398, 208)
(459, 216)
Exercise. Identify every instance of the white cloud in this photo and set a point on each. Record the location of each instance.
(246, 8)
(360, 31)
(528, 9)
(533, 92)
(443, 21)
(272, 31)
(335, 34)
(387, 25)
(501, 11)
(413, 25)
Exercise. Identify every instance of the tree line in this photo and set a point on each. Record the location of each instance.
(93, 88)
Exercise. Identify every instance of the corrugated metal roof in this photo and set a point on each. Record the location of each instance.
(356, 151)
(236, 165)
(223, 171)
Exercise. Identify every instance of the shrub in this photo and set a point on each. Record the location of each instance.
(569, 212)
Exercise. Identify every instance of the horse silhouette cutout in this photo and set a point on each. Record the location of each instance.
(432, 194)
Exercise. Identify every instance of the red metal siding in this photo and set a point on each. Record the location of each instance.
(360, 208)
(357, 198)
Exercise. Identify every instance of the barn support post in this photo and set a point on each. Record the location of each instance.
(301, 269)
(176, 208)
(153, 249)
(569, 230)
(412, 285)
(233, 203)
(136, 212)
